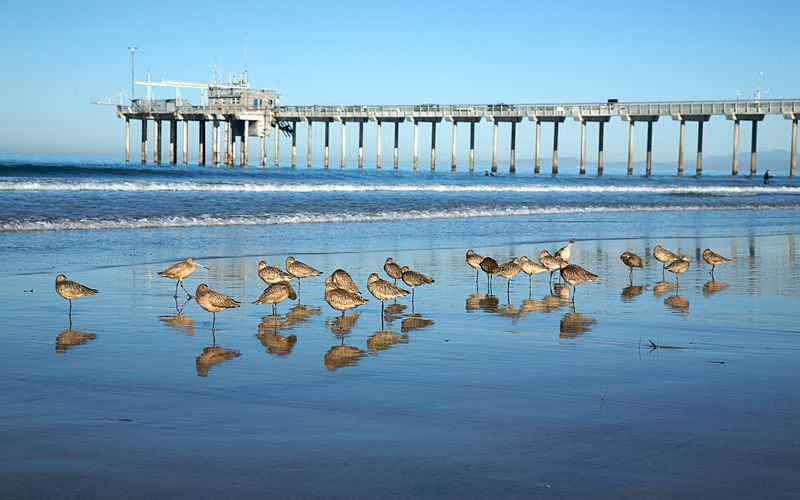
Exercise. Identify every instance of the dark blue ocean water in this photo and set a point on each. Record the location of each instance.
(47, 194)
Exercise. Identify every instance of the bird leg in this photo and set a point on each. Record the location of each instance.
(176, 288)
(184, 289)
(70, 310)
(213, 321)
(274, 310)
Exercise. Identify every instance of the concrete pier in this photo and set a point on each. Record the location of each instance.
(416, 145)
(327, 144)
(360, 145)
(144, 142)
(453, 147)
(680, 147)
(378, 146)
(294, 144)
(600, 136)
(185, 143)
(396, 150)
(649, 158)
(201, 142)
(471, 147)
(512, 161)
(793, 158)
(753, 146)
(245, 160)
(277, 132)
(344, 143)
(582, 166)
(555, 147)
(538, 140)
(310, 145)
(699, 170)
(173, 142)
(630, 148)
(127, 140)
(735, 164)
(228, 144)
(433, 146)
(494, 146)
(157, 142)
(262, 151)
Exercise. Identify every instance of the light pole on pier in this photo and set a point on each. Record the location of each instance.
(133, 58)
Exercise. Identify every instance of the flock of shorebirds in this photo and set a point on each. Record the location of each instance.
(342, 293)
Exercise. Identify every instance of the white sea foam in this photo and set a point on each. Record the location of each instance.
(250, 220)
(210, 187)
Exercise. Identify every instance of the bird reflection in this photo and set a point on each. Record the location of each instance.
(340, 356)
(301, 313)
(713, 287)
(629, 292)
(276, 344)
(341, 326)
(179, 321)
(482, 302)
(678, 303)
(213, 356)
(414, 322)
(574, 324)
(383, 340)
(70, 338)
(509, 311)
(548, 303)
(663, 287)
(393, 312)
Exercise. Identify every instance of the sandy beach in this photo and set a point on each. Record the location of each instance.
(463, 394)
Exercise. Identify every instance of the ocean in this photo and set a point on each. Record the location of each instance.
(648, 385)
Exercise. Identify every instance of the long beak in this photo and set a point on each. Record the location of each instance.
(201, 265)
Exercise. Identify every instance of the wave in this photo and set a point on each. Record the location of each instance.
(269, 219)
(212, 187)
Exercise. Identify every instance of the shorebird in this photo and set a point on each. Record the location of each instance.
(300, 270)
(631, 260)
(383, 290)
(678, 266)
(341, 299)
(509, 270)
(72, 290)
(272, 275)
(275, 294)
(393, 270)
(213, 302)
(179, 271)
(489, 266)
(341, 279)
(530, 268)
(714, 259)
(576, 275)
(550, 263)
(474, 261)
(664, 256)
(564, 252)
(414, 279)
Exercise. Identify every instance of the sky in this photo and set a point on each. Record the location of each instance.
(59, 56)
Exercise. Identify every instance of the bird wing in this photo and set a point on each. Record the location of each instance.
(221, 300)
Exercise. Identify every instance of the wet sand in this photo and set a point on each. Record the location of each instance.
(463, 394)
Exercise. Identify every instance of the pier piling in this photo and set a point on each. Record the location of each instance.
(537, 157)
(378, 145)
(396, 150)
(294, 144)
(127, 140)
(185, 143)
(327, 143)
(471, 147)
(173, 139)
(555, 148)
(416, 145)
(433, 146)
(793, 159)
(215, 143)
(453, 147)
(157, 142)
(494, 146)
(600, 148)
(680, 147)
(360, 145)
(699, 170)
(753, 147)
(735, 163)
(201, 142)
(649, 158)
(144, 142)
(310, 137)
(583, 148)
(277, 144)
(511, 165)
(630, 148)
(344, 143)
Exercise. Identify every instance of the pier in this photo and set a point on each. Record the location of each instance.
(257, 114)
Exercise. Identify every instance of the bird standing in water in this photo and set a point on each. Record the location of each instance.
(414, 279)
(714, 259)
(393, 270)
(631, 260)
(300, 270)
(72, 290)
(213, 302)
(275, 294)
(576, 275)
(474, 261)
(179, 271)
(678, 266)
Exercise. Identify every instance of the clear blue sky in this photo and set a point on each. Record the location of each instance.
(57, 56)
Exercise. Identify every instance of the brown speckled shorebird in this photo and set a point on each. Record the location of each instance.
(474, 261)
(383, 290)
(272, 275)
(509, 271)
(631, 260)
(664, 256)
(393, 270)
(342, 279)
(564, 252)
(678, 266)
(179, 271)
(530, 268)
(72, 290)
(275, 294)
(550, 263)
(341, 299)
(300, 270)
(414, 279)
(213, 302)
(714, 259)
(576, 275)
(489, 266)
